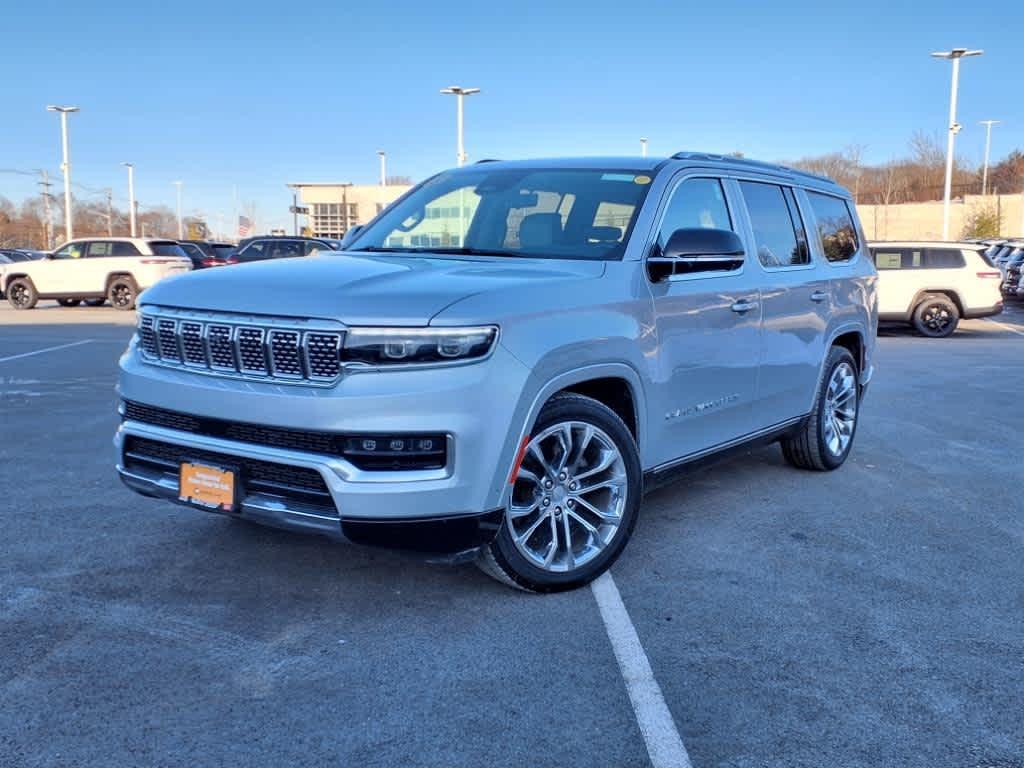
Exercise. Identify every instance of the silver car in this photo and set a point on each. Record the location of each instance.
(502, 361)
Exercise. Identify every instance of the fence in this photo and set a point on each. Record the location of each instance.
(923, 221)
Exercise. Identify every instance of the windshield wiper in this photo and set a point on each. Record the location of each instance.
(475, 252)
(382, 249)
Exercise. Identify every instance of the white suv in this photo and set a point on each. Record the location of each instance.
(932, 285)
(114, 269)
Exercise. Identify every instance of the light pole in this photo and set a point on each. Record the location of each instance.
(65, 166)
(181, 224)
(643, 147)
(131, 195)
(383, 167)
(459, 93)
(988, 146)
(954, 128)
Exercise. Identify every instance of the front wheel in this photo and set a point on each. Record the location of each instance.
(574, 502)
(22, 294)
(824, 439)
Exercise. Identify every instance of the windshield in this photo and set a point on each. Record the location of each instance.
(544, 213)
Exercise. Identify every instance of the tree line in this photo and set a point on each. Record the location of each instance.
(917, 177)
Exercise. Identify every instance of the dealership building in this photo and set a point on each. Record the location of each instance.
(335, 208)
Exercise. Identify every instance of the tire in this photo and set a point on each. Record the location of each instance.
(936, 316)
(69, 302)
(22, 294)
(824, 440)
(95, 302)
(548, 504)
(122, 293)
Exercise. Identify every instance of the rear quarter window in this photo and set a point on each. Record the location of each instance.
(167, 249)
(836, 230)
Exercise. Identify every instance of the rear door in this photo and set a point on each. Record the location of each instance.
(100, 261)
(795, 299)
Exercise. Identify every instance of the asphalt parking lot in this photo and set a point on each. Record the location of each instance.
(872, 616)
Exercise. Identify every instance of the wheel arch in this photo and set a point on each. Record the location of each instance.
(112, 276)
(603, 379)
(949, 293)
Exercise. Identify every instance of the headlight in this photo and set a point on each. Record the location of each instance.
(417, 346)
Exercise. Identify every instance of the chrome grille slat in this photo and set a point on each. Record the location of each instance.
(248, 348)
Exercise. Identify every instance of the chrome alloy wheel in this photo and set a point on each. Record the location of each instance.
(569, 496)
(840, 416)
(19, 295)
(121, 295)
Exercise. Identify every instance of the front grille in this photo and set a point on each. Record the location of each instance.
(241, 349)
(323, 443)
(281, 480)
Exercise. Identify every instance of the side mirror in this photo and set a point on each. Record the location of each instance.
(697, 250)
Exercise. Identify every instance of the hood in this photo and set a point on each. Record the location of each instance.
(359, 288)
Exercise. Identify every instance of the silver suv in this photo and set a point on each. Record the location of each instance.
(505, 358)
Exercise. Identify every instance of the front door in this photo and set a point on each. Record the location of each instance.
(708, 325)
(55, 274)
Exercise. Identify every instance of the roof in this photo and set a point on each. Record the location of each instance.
(926, 243)
(120, 239)
(652, 164)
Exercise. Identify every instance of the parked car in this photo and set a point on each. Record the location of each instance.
(205, 253)
(933, 285)
(500, 381)
(276, 247)
(111, 269)
(1012, 270)
(1000, 257)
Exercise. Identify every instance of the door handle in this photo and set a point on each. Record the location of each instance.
(743, 305)
(819, 296)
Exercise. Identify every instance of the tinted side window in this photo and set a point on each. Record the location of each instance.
(942, 258)
(836, 231)
(167, 249)
(254, 251)
(778, 231)
(125, 249)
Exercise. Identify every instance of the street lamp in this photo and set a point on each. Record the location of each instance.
(643, 147)
(954, 128)
(131, 195)
(65, 166)
(988, 146)
(459, 93)
(181, 225)
(383, 167)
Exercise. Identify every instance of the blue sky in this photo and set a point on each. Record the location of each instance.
(224, 95)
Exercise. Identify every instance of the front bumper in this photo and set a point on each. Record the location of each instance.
(432, 510)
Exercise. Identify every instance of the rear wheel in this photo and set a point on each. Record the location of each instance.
(936, 316)
(824, 440)
(574, 503)
(122, 293)
(69, 302)
(22, 294)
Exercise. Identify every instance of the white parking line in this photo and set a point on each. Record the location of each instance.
(664, 744)
(47, 349)
(1005, 327)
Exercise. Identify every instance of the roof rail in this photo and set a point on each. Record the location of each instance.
(488, 160)
(711, 156)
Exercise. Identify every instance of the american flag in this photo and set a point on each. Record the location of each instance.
(244, 226)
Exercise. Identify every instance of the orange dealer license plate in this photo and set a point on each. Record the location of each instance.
(206, 486)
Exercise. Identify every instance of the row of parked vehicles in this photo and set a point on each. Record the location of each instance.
(1008, 256)
(98, 270)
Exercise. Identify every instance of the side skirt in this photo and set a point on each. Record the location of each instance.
(669, 472)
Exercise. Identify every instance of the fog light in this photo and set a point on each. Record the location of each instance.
(397, 452)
